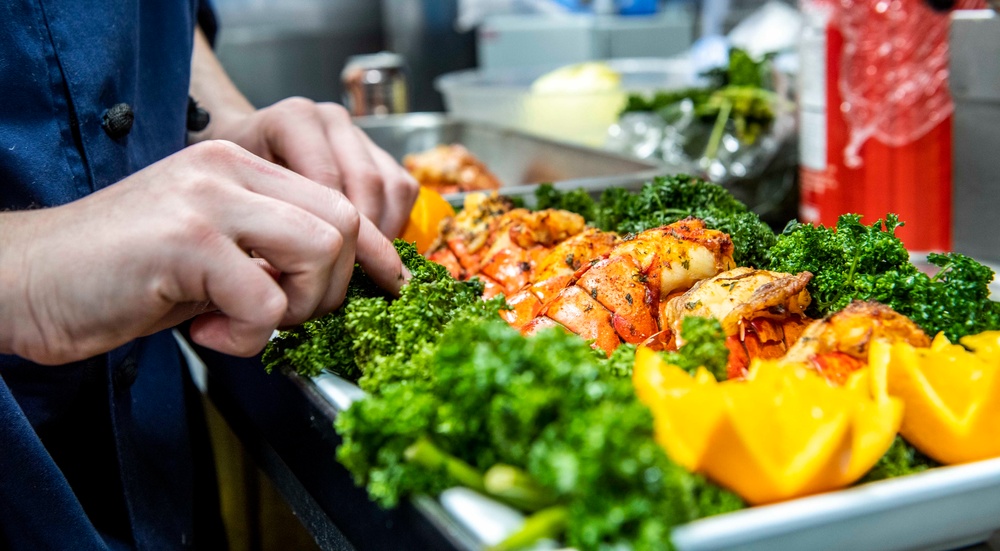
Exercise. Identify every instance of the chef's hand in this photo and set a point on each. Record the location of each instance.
(174, 241)
(317, 140)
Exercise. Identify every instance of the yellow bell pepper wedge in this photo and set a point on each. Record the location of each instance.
(951, 395)
(876, 424)
(424, 224)
(782, 433)
(777, 443)
(986, 345)
(683, 423)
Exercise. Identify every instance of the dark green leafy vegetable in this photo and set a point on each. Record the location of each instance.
(549, 414)
(377, 431)
(620, 488)
(739, 92)
(853, 261)
(955, 300)
(377, 339)
(901, 459)
(704, 346)
(322, 343)
(576, 200)
(311, 348)
(621, 361)
(663, 99)
(668, 199)
(744, 70)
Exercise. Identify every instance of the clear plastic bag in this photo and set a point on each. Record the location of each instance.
(719, 146)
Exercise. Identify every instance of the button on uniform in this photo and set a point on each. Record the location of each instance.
(117, 120)
(125, 374)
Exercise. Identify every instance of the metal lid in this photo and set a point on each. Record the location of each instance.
(380, 60)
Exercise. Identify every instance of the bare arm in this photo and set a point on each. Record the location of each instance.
(213, 89)
(171, 242)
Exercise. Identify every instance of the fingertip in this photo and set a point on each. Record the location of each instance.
(404, 279)
(380, 260)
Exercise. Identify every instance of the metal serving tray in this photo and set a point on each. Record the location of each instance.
(944, 508)
(519, 160)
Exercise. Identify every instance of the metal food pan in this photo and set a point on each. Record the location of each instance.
(520, 161)
(943, 508)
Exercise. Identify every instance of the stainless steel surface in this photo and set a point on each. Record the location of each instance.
(519, 160)
(975, 87)
(944, 508)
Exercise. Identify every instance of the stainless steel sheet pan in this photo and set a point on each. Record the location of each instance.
(519, 160)
(943, 508)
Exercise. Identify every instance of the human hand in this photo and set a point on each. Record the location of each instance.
(320, 142)
(317, 140)
(174, 241)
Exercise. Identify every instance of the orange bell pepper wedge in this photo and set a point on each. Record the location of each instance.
(424, 224)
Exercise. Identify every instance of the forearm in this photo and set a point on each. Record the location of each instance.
(212, 88)
(11, 270)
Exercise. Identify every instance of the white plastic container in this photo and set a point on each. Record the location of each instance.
(582, 115)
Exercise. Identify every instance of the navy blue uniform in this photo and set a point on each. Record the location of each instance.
(96, 454)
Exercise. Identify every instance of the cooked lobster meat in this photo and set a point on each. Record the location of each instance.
(450, 169)
(463, 237)
(555, 270)
(761, 312)
(739, 295)
(617, 298)
(838, 345)
(500, 244)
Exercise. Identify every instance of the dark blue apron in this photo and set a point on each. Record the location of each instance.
(100, 453)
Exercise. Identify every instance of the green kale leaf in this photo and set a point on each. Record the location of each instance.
(669, 199)
(901, 459)
(704, 345)
(376, 339)
(571, 437)
(853, 261)
(575, 200)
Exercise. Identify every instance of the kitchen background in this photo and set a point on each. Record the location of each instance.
(274, 49)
